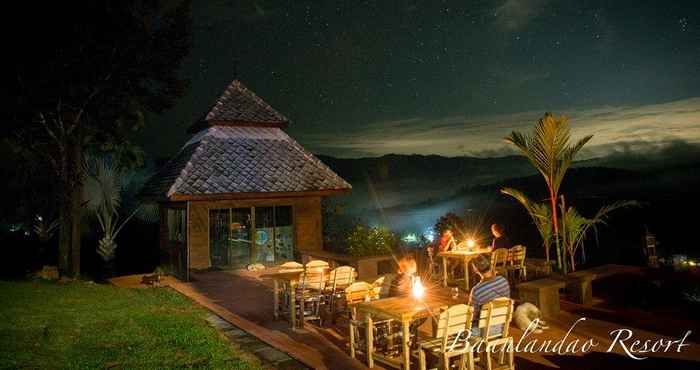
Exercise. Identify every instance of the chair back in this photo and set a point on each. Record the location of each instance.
(316, 264)
(341, 277)
(496, 314)
(516, 256)
(357, 292)
(453, 321)
(499, 259)
(291, 266)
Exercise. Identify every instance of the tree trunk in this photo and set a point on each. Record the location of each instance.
(71, 185)
(64, 231)
(555, 226)
(565, 241)
(76, 200)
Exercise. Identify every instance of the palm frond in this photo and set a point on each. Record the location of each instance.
(148, 213)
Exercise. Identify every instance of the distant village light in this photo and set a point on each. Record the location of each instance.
(410, 238)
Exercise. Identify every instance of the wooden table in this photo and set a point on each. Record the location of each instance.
(290, 278)
(405, 310)
(466, 256)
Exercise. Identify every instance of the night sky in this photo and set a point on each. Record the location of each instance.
(367, 78)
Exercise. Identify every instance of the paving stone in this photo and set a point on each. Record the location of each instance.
(290, 364)
(271, 355)
(268, 355)
(219, 323)
(234, 333)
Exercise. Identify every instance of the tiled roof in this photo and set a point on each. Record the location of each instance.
(238, 106)
(223, 159)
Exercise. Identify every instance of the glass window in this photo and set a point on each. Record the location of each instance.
(284, 233)
(176, 224)
(235, 242)
(229, 237)
(264, 235)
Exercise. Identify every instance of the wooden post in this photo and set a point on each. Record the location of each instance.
(466, 273)
(353, 317)
(276, 298)
(406, 355)
(293, 305)
(370, 341)
(444, 271)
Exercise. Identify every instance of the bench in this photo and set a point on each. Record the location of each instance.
(579, 288)
(543, 293)
(539, 266)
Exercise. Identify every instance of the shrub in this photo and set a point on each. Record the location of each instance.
(371, 241)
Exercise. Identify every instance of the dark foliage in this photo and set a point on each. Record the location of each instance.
(81, 78)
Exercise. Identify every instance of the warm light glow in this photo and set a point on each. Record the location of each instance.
(418, 289)
(471, 243)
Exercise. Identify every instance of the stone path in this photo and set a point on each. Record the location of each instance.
(269, 356)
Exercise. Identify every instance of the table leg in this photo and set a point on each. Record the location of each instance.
(353, 317)
(370, 341)
(293, 305)
(276, 298)
(466, 275)
(444, 272)
(406, 355)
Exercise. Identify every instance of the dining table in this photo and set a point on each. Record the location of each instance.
(405, 310)
(289, 279)
(463, 255)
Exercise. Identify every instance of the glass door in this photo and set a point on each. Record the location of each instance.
(240, 240)
(230, 237)
(284, 234)
(264, 235)
(219, 220)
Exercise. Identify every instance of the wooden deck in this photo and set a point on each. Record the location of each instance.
(246, 301)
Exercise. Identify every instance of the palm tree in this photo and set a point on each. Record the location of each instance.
(103, 192)
(577, 226)
(539, 212)
(549, 151)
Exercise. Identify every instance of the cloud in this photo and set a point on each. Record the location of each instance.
(514, 15)
(615, 128)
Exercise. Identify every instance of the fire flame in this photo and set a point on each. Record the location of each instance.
(471, 243)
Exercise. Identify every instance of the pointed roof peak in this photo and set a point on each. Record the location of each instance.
(239, 106)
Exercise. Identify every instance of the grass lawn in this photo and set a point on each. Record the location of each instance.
(84, 325)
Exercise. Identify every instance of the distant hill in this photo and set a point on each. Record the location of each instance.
(392, 180)
(406, 180)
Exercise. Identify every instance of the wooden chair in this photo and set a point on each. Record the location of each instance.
(338, 279)
(359, 292)
(494, 322)
(516, 262)
(291, 266)
(434, 266)
(316, 264)
(341, 277)
(450, 338)
(310, 293)
(499, 261)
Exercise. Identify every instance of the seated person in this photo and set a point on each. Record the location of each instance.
(447, 241)
(490, 287)
(500, 240)
(401, 285)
